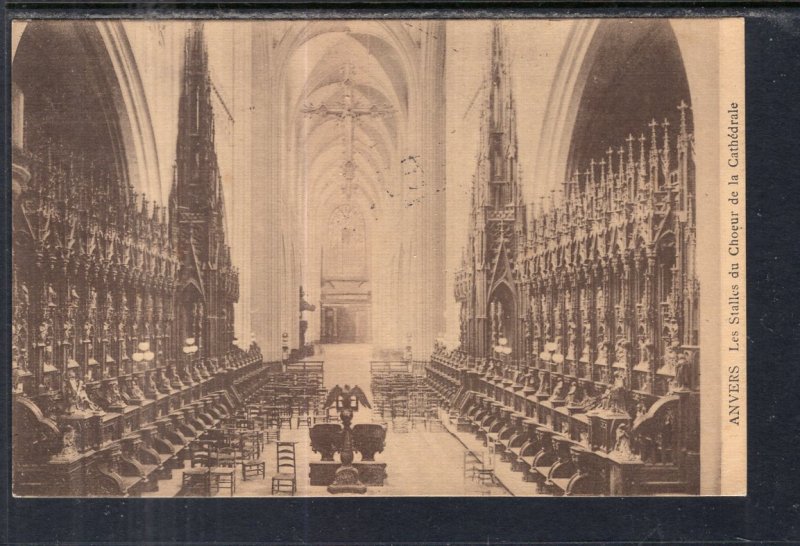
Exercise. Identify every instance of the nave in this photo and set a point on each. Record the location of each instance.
(422, 457)
(173, 321)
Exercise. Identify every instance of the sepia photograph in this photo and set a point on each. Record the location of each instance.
(378, 257)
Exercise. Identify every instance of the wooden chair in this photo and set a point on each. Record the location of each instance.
(196, 482)
(485, 470)
(252, 469)
(471, 463)
(285, 481)
(285, 416)
(272, 418)
(224, 478)
(249, 445)
(226, 457)
(202, 453)
(304, 413)
(272, 435)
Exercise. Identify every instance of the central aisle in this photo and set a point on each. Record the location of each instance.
(346, 363)
(420, 461)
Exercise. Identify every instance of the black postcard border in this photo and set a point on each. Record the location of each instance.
(770, 512)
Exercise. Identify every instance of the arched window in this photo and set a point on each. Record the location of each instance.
(636, 74)
(345, 253)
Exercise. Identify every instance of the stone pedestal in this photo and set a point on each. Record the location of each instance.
(346, 480)
(623, 476)
(369, 472)
(572, 410)
(602, 428)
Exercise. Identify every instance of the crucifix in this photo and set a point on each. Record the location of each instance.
(348, 111)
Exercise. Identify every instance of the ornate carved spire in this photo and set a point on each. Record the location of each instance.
(196, 203)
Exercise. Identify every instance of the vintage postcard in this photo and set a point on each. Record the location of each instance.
(378, 257)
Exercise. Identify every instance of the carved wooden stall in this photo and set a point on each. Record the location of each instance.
(122, 329)
(581, 317)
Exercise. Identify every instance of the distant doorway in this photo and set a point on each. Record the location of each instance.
(345, 324)
(346, 294)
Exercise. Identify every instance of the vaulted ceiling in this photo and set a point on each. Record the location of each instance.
(321, 73)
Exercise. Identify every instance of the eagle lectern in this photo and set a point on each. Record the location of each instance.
(346, 401)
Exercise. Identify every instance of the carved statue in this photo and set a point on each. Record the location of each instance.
(605, 399)
(618, 398)
(109, 307)
(531, 381)
(641, 407)
(135, 390)
(149, 385)
(88, 330)
(622, 445)
(542, 384)
(68, 329)
(44, 332)
(645, 350)
(591, 402)
(71, 393)
(558, 391)
(162, 383)
(587, 336)
(17, 385)
(111, 394)
(572, 339)
(572, 395)
(51, 296)
(621, 351)
(194, 371)
(92, 300)
(68, 439)
(602, 348)
(600, 302)
(77, 399)
(23, 294)
(682, 381)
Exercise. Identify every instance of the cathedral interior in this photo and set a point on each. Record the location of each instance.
(445, 258)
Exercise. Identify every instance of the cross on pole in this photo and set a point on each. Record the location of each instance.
(348, 111)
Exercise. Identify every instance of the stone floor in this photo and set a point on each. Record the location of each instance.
(424, 461)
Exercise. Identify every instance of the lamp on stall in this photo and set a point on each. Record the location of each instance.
(285, 346)
(549, 349)
(137, 358)
(502, 347)
(189, 348)
(143, 353)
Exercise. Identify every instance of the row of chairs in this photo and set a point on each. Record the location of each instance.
(480, 466)
(210, 468)
(212, 478)
(402, 394)
(285, 480)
